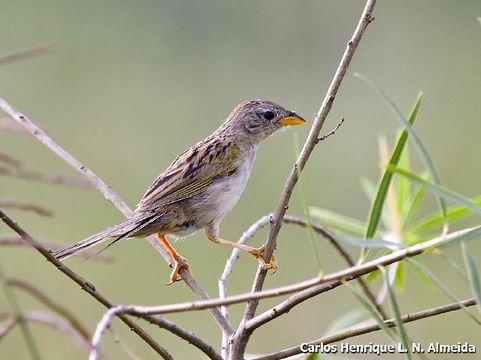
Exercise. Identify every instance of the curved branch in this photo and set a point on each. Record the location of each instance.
(356, 331)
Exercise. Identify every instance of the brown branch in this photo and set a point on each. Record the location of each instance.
(87, 254)
(20, 54)
(46, 178)
(52, 305)
(111, 196)
(10, 160)
(365, 329)
(241, 337)
(85, 285)
(14, 204)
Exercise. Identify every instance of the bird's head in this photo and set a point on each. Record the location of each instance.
(256, 119)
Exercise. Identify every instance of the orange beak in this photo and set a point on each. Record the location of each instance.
(291, 119)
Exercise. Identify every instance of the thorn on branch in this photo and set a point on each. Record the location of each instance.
(332, 132)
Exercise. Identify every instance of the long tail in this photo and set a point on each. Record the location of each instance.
(127, 228)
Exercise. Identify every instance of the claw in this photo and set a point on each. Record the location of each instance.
(258, 254)
(179, 263)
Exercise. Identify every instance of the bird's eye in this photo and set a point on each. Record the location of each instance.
(268, 115)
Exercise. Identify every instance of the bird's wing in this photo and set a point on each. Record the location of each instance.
(191, 173)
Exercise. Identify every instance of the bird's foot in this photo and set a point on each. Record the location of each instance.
(179, 263)
(258, 253)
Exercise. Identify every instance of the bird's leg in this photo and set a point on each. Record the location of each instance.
(179, 261)
(256, 252)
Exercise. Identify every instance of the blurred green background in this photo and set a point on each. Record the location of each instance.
(133, 83)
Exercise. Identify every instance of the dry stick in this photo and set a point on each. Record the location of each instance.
(87, 254)
(15, 204)
(241, 337)
(303, 290)
(85, 285)
(10, 160)
(9, 124)
(229, 265)
(20, 54)
(42, 177)
(161, 322)
(356, 331)
(51, 304)
(111, 196)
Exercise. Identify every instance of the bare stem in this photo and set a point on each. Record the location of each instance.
(365, 329)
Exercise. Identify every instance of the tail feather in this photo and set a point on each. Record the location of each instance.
(121, 230)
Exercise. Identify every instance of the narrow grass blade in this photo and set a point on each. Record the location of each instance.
(372, 311)
(433, 221)
(411, 209)
(414, 137)
(369, 244)
(397, 313)
(434, 280)
(341, 222)
(473, 275)
(370, 190)
(404, 187)
(378, 203)
(400, 277)
(439, 190)
(17, 310)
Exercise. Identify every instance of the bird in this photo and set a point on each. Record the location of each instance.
(201, 186)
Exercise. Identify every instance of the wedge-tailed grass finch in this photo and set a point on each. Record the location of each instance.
(202, 185)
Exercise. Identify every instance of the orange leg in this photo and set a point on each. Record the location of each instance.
(179, 261)
(258, 253)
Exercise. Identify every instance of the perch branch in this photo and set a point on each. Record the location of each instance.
(25, 53)
(365, 329)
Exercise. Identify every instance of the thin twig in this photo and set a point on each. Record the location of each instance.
(46, 178)
(20, 54)
(229, 265)
(241, 337)
(52, 305)
(122, 344)
(365, 329)
(332, 132)
(15, 204)
(85, 285)
(111, 196)
(87, 254)
(7, 323)
(10, 160)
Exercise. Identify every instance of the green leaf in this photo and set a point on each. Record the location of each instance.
(397, 313)
(433, 221)
(340, 222)
(370, 191)
(414, 137)
(434, 280)
(439, 190)
(473, 275)
(373, 275)
(372, 311)
(378, 203)
(404, 187)
(372, 243)
(400, 278)
(410, 210)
